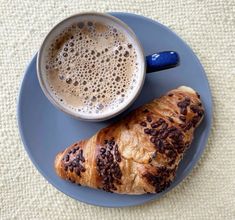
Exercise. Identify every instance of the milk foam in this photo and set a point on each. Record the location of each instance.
(92, 67)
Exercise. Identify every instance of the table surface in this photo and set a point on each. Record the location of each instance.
(207, 193)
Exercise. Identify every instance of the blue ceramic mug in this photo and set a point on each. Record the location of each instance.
(151, 63)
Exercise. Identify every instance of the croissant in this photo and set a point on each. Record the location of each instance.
(140, 153)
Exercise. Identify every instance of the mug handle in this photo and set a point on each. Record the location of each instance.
(161, 60)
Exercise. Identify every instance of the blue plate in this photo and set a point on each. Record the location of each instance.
(45, 130)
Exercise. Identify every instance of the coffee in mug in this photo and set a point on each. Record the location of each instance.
(92, 66)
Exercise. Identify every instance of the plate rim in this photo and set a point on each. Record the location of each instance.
(187, 171)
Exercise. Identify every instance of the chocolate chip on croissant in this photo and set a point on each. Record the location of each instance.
(139, 154)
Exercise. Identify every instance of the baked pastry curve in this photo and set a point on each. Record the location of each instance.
(140, 153)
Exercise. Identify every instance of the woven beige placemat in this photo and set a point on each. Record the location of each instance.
(207, 193)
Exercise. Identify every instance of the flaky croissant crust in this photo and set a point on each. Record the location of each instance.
(140, 153)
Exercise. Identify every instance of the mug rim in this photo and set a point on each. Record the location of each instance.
(91, 117)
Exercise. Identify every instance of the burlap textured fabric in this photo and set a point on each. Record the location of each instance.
(207, 193)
